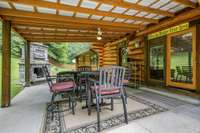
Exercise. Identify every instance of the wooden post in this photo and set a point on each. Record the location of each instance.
(27, 64)
(6, 62)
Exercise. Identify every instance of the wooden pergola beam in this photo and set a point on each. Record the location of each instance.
(40, 3)
(41, 23)
(42, 16)
(42, 31)
(181, 18)
(121, 3)
(16, 24)
(68, 35)
(6, 63)
(66, 40)
(186, 3)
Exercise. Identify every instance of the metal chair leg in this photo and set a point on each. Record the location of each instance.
(52, 102)
(112, 104)
(73, 105)
(89, 102)
(98, 114)
(70, 102)
(125, 110)
(125, 94)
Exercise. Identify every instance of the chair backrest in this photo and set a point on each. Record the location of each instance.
(178, 69)
(47, 75)
(84, 68)
(111, 77)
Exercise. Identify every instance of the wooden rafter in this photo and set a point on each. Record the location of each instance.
(186, 3)
(16, 25)
(35, 31)
(63, 40)
(58, 6)
(136, 7)
(42, 16)
(68, 35)
(40, 22)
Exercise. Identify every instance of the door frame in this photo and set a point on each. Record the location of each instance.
(168, 73)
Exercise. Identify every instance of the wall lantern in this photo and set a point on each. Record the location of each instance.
(137, 44)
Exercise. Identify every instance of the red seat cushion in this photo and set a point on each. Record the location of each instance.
(83, 79)
(125, 81)
(109, 91)
(63, 86)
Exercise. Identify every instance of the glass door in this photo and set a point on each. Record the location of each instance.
(181, 57)
(156, 67)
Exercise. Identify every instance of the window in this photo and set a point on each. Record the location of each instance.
(181, 58)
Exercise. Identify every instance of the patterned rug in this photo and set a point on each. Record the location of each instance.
(65, 122)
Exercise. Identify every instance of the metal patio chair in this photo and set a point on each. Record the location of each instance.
(60, 88)
(82, 80)
(109, 86)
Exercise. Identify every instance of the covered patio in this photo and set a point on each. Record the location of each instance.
(156, 41)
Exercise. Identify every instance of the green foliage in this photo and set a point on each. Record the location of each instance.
(75, 49)
(57, 51)
(66, 52)
(16, 43)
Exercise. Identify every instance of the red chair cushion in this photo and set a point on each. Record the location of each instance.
(82, 79)
(63, 86)
(109, 91)
(125, 81)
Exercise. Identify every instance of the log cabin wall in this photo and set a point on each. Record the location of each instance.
(110, 54)
(98, 48)
(89, 58)
(136, 57)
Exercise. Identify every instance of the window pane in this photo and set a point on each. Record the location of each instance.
(181, 58)
(157, 62)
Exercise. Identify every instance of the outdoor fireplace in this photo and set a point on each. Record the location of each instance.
(38, 58)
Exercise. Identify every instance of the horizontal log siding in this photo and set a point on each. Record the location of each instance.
(99, 48)
(137, 55)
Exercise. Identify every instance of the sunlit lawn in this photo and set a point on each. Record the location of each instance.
(15, 86)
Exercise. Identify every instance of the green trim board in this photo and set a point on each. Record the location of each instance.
(173, 29)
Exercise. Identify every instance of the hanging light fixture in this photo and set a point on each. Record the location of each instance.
(99, 34)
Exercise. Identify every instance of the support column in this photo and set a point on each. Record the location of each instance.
(27, 64)
(6, 62)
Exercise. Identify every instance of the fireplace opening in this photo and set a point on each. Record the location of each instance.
(38, 72)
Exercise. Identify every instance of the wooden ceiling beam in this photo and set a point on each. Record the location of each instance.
(42, 31)
(121, 3)
(60, 37)
(42, 16)
(68, 35)
(35, 21)
(65, 40)
(186, 3)
(57, 6)
(72, 28)
(181, 18)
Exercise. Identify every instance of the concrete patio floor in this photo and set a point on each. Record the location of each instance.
(27, 111)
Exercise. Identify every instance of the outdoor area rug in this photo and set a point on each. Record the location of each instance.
(81, 122)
